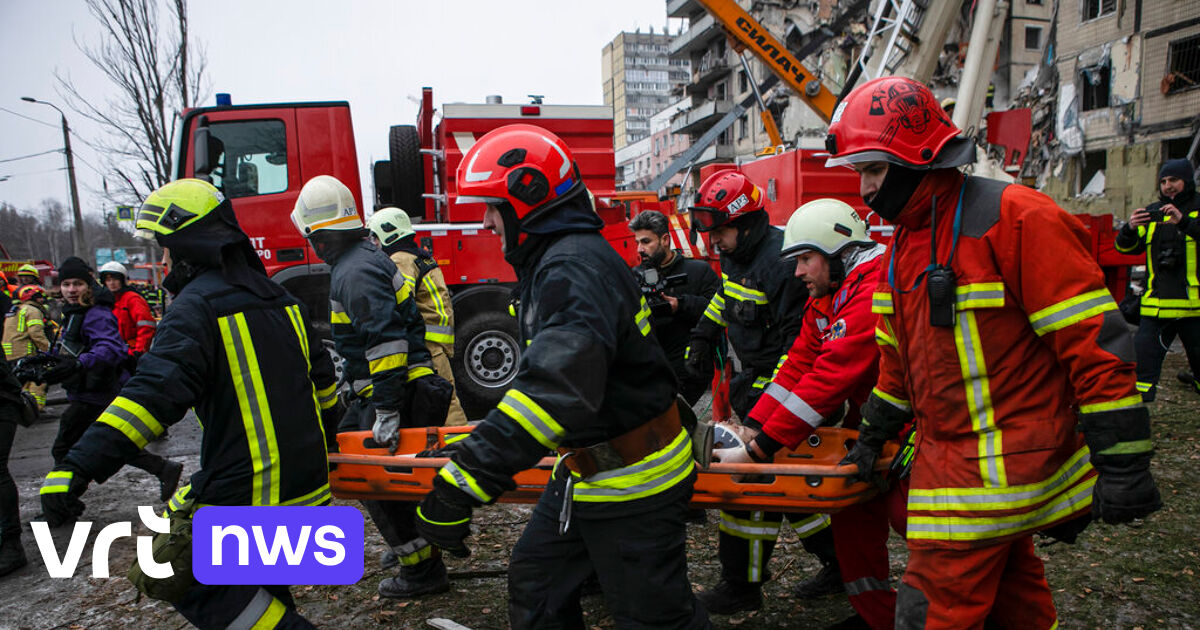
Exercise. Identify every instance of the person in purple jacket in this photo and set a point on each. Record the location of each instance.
(91, 367)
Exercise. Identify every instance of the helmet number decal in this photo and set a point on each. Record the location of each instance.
(739, 203)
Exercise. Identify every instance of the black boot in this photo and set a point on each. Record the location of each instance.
(425, 578)
(168, 479)
(728, 597)
(388, 559)
(828, 581)
(12, 555)
(1189, 379)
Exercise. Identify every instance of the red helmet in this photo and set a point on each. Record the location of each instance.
(523, 165)
(30, 291)
(897, 120)
(723, 197)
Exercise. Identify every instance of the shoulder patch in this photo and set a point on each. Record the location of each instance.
(981, 205)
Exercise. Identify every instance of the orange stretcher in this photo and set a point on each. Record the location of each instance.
(807, 479)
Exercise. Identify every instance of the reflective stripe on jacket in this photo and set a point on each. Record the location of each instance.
(1173, 275)
(432, 296)
(24, 331)
(1036, 339)
(135, 320)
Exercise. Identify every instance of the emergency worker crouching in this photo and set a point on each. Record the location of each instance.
(240, 350)
(592, 383)
(1167, 232)
(393, 232)
(998, 455)
(760, 306)
(685, 300)
(379, 332)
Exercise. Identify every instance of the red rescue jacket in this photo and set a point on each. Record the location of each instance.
(1036, 339)
(134, 319)
(833, 360)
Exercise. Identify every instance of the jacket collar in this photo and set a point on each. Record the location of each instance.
(944, 183)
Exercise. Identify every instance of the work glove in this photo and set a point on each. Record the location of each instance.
(60, 496)
(698, 358)
(64, 368)
(1121, 449)
(386, 430)
(444, 518)
(864, 456)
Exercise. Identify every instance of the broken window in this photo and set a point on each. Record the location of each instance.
(1033, 37)
(743, 82)
(1091, 173)
(1093, 9)
(1183, 65)
(1176, 148)
(743, 126)
(1094, 87)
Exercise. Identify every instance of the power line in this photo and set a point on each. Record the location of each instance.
(4, 176)
(20, 115)
(31, 155)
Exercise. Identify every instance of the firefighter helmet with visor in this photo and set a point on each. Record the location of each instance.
(825, 225)
(325, 204)
(389, 225)
(724, 197)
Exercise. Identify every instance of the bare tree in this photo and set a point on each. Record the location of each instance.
(157, 73)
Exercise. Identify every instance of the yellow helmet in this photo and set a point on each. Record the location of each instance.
(28, 270)
(390, 225)
(175, 206)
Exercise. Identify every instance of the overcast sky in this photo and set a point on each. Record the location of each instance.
(373, 53)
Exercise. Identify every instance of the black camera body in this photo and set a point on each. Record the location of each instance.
(652, 284)
(33, 367)
(1157, 215)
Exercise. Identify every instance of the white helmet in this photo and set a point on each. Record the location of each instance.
(824, 225)
(390, 225)
(325, 204)
(113, 266)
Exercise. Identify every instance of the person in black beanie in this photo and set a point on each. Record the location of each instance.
(91, 367)
(1166, 231)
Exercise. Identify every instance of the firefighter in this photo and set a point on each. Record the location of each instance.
(25, 333)
(134, 318)
(592, 383)
(1166, 231)
(686, 301)
(240, 350)
(27, 274)
(833, 361)
(393, 232)
(760, 306)
(16, 407)
(379, 332)
(1006, 343)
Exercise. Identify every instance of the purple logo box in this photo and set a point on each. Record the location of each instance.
(277, 545)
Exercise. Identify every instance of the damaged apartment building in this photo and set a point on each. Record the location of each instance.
(1128, 99)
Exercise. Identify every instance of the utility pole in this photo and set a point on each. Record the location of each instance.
(77, 244)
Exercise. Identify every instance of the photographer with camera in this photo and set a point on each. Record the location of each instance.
(1165, 231)
(676, 289)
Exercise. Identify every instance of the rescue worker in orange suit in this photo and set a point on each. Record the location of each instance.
(760, 307)
(380, 334)
(134, 319)
(592, 383)
(1165, 231)
(1009, 353)
(394, 234)
(834, 360)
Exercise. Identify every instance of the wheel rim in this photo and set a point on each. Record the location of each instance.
(339, 362)
(491, 359)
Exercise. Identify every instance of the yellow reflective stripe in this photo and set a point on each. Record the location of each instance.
(642, 318)
(435, 296)
(884, 339)
(742, 293)
(1121, 403)
(753, 528)
(655, 473)
(980, 295)
(271, 617)
(1129, 448)
(881, 303)
(327, 397)
(132, 419)
(1072, 311)
(416, 557)
(179, 498)
(716, 309)
(439, 334)
(1143, 387)
(390, 362)
(417, 372)
(337, 313)
(899, 403)
(810, 525)
(458, 477)
(57, 481)
(320, 496)
(1075, 499)
(255, 411)
(531, 417)
(979, 400)
(403, 286)
(1000, 499)
(294, 316)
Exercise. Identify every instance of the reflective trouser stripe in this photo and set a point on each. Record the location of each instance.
(255, 411)
(413, 551)
(263, 611)
(810, 525)
(757, 533)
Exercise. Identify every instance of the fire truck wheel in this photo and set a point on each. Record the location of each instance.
(485, 360)
(408, 177)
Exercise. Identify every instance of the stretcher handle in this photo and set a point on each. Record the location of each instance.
(795, 470)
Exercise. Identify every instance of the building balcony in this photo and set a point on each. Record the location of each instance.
(683, 8)
(695, 121)
(717, 153)
(710, 69)
(702, 32)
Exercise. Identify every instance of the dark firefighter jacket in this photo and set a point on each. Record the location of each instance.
(258, 378)
(376, 325)
(674, 331)
(1173, 275)
(760, 304)
(591, 371)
